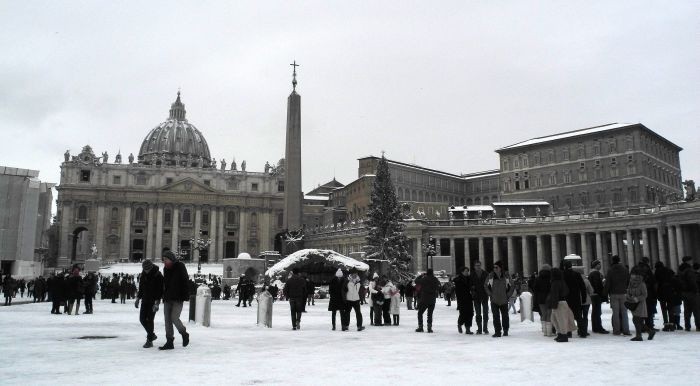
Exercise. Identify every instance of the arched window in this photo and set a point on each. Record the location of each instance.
(205, 217)
(140, 215)
(186, 216)
(82, 212)
(400, 194)
(167, 217)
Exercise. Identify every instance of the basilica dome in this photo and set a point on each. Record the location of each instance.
(175, 142)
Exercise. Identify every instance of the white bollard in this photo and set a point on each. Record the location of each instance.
(526, 307)
(265, 308)
(203, 307)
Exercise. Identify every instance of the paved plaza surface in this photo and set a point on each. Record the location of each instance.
(40, 348)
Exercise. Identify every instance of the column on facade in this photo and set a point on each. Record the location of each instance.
(265, 230)
(150, 229)
(630, 248)
(467, 253)
(158, 248)
(213, 250)
(67, 234)
(570, 244)
(672, 253)
(100, 231)
(197, 228)
(646, 250)
(540, 252)
(599, 249)
(556, 255)
(242, 230)
(482, 252)
(222, 234)
(680, 247)
(175, 237)
(511, 253)
(585, 253)
(126, 233)
(613, 244)
(527, 259)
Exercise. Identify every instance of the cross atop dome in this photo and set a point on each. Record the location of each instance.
(177, 109)
(294, 75)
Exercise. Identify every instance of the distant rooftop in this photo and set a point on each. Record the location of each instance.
(568, 134)
(487, 173)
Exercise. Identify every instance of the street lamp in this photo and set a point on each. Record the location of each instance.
(200, 244)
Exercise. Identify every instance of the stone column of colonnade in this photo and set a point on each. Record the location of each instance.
(453, 262)
(540, 252)
(150, 232)
(482, 253)
(673, 257)
(660, 245)
(221, 235)
(197, 228)
(556, 254)
(214, 252)
(158, 248)
(680, 246)
(175, 240)
(100, 230)
(526, 262)
(585, 253)
(419, 255)
(511, 253)
(630, 247)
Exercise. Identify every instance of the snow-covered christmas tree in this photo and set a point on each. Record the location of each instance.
(386, 239)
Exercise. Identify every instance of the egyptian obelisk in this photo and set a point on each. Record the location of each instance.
(293, 195)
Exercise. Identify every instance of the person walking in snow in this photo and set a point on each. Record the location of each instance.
(409, 292)
(8, 289)
(395, 305)
(337, 303)
(429, 289)
(388, 289)
(90, 285)
(542, 286)
(577, 295)
(295, 291)
(481, 298)
(636, 297)
(562, 317)
(75, 289)
(498, 287)
(616, 286)
(598, 297)
(310, 292)
(149, 295)
(352, 300)
(175, 293)
(465, 306)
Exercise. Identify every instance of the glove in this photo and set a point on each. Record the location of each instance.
(156, 306)
(136, 303)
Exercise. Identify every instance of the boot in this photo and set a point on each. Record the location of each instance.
(168, 345)
(496, 335)
(185, 339)
(468, 331)
(148, 344)
(420, 328)
(430, 328)
(561, 338)
(652, 332)
(486, 326)
(459, 328)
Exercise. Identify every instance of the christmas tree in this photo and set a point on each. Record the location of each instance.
(385, 238)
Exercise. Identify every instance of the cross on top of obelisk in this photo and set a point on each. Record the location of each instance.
(294, 75)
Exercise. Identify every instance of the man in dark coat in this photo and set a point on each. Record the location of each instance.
(55, 288)
(688, 278)
(242, 289)
(481, 299)
(310, 291)
(598, 297)
(295, 292)
(90, 284)
(336, 291)
(616, 282)
(576, 296)
(429, 291)
(75, 289)
(175, 292)
(150, 292)
(462, 289)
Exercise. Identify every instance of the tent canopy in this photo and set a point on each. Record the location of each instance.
(315, 257)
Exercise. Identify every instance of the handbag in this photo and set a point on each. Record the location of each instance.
(631, 305)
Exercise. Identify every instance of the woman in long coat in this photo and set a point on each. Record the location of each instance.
(562, 317)
(336, 302)
(543, 284)
(637, 294)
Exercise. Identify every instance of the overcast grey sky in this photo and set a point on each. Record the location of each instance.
(440, 84)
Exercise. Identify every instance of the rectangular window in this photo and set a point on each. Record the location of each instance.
(141, 179)
(84, 176)
(254, 186)
(116, 180)
(207, 182)
(280, 186)
(168, 181)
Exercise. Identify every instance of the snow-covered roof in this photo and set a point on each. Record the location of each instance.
(471, 208)
(481, 175)
(306, 256)
(317, 198)
(521, 203)
(568, 134)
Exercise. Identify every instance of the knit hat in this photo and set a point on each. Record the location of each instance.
(147, 265)
(375, 276)
(595, 262)
(339, 273)
(616, 259)
(170, 256)
(498, 264)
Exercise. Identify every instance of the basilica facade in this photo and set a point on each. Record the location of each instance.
(167, 197)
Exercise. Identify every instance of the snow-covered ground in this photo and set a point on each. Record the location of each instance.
(39, 348)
